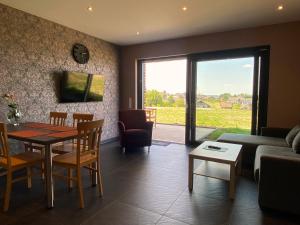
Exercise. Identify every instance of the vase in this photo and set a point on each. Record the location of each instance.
(14, 116)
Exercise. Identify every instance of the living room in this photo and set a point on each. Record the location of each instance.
(46, 45)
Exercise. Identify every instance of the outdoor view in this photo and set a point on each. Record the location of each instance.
(224, 93)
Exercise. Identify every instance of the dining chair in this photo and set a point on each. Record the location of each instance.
(11, 163)
(70, 147)
(58, 118)
(87, 153)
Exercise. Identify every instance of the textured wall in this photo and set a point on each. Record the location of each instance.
(33, 50)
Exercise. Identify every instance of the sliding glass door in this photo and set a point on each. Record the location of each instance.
(227, 93)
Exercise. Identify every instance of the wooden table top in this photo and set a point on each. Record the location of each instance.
(41, 133)
(228, 153)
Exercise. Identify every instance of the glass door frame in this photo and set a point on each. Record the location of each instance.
(140, 81)
(261, 56)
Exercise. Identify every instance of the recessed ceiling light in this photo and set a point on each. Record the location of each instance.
(137, 33)
(90, 8)
(184, 8)
(280, 7)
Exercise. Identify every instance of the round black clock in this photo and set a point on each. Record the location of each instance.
(81, 53)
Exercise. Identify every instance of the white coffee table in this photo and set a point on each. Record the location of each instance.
(224, 163)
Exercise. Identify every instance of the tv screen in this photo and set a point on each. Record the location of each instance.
(81, 87)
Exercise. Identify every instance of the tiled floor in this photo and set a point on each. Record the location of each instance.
(140, 189)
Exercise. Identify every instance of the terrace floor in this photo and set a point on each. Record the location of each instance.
(176, 133)
(142, 188)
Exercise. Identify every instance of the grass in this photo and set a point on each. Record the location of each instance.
(227, 120)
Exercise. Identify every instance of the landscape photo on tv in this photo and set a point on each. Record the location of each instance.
(82, 87)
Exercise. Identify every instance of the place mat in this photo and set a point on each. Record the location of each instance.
(36, 125)
(63, 134)
(27, 133)
(59, 128)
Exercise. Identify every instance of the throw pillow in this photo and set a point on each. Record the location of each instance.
(291, 135)
(296, 143)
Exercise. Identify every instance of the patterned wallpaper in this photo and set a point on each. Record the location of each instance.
(33, 51)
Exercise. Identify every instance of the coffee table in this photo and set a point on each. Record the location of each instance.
(223, 163)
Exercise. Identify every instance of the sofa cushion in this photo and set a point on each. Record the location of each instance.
(252, 139)
(291, 135)
(250, 143)
(266, 150)
(296, 143)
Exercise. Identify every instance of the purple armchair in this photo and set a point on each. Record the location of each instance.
(134, 129)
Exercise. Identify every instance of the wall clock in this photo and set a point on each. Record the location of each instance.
(80, 53)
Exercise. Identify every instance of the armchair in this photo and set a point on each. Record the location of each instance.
(135, 130)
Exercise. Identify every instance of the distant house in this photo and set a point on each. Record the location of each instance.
(201, 104)
(226, 105)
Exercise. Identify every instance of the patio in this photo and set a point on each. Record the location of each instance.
(176, 133)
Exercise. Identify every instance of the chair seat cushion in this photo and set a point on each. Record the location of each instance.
(136, 133)
(136, 138)
(22, 159)
(70, 159)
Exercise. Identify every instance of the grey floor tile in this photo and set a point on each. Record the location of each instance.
(168, 221)
(197, 209)
(152, 197)
(119, 213)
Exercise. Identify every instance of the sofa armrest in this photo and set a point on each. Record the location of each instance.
(149, 125)
(121, 126)
(279, 183)
(274, 132)
(149, 128)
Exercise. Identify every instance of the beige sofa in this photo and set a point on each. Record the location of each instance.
(276, 168)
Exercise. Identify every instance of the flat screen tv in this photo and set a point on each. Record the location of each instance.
(81, 87)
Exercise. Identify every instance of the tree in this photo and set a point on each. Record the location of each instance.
(225, 96)
(170, 100)
(153, 98)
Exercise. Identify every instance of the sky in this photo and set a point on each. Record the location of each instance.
(169, 76)
(215, 77)
(234, 76)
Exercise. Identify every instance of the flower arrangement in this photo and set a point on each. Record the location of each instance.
(14, 114)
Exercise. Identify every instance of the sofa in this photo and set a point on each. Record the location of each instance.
(276, 165)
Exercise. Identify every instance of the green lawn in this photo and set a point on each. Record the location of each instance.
(228, 120)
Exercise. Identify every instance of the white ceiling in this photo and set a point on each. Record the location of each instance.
(118, 21)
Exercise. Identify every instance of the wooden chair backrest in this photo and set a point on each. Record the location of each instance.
(81, 117)
(4, 146)
(89, 138)
(58, 118)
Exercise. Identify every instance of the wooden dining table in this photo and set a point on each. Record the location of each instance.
(46, 135)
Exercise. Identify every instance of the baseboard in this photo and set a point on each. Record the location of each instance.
(109, 140)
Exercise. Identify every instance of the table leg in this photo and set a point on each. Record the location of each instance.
(191, 173)
(232, 181)
(48, 175)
